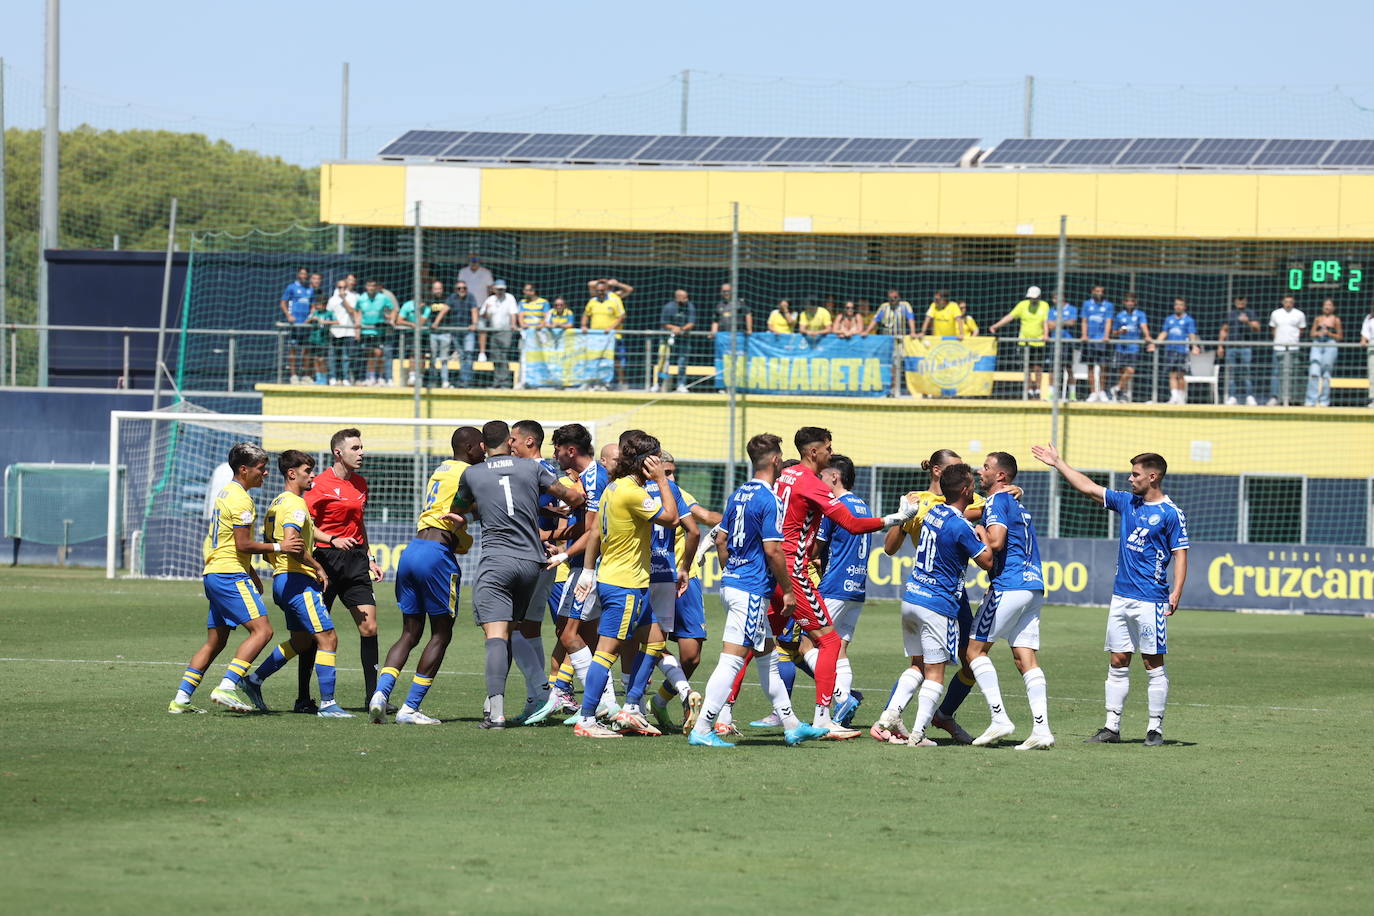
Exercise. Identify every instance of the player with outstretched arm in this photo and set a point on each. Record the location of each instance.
(1153, 530)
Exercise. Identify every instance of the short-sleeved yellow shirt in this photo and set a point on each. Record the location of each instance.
(602, 314)
(288, 511)
(817, 322)
(1033, 314)
(627, 517)
(439, 493)
(233, 509)
(778, 323)
(945, 319)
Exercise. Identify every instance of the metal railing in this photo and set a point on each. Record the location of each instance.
(232, 360)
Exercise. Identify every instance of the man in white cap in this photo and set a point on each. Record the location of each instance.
(1034, 313)
(500, 314)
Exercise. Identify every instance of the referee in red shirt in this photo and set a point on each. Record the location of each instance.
(336, 503)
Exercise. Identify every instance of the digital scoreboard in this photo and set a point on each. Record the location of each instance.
(1325, 274)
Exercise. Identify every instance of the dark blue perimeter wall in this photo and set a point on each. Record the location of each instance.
(70, 428)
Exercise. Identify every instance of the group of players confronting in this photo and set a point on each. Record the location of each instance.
(612, 548)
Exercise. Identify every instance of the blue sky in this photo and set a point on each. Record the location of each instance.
(266, 75)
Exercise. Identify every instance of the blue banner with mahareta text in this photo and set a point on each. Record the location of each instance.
(770, 363)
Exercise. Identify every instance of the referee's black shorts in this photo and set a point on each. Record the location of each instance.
(350, 577)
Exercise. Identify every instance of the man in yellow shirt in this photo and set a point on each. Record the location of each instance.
(231, 584)
(620, 550)
(1034, 312)
(782, 320)
(605, 311)
(943, 318)
(815, 320)
(297, 579)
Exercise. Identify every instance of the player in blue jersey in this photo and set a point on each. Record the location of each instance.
(577, 616)
(1129, 327)
(844, 582)
(930, 601)
(1153, 530)
(1011, 605)
(749, 543)
(1096, 314)
(1179, 329)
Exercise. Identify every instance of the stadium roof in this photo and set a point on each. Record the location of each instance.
(689, 151)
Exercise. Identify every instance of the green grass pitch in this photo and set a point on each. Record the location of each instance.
(1260, 802)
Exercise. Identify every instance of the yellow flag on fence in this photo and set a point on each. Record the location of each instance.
(948, 366)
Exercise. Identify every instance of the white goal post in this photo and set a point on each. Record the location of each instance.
(169, 457)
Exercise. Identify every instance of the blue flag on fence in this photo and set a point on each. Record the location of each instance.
(567, 357)
(770, 363)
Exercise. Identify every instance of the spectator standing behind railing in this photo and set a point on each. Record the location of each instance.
(1287, 322)
(441, 323)
(1326, 333)
(317, 347)
(1240, 329)
(1129, 327)
(970, 326)
(1063, 326)
(479, 281)
(848, 323)
(502, 314)
(814, 321)
(343, 334)
(1179, 326)
(678, 317)
(406, 321)
(1095, 319)
(534, 310)
(894, 317)
(782, 320)
(943, 318)
(1367, 340)
(605, 311)
(375, 314)
(561, 317)
(1034, 314)
(725, 314)
(462, 322)
(295, 308)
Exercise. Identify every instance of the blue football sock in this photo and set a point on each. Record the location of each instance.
(236, 670)
(274, 663)
(954, 696)
(325, 674)
(597, 676)
(419, 686)
(190, 680)
(386, 681)
(787, 668)
(644, 666)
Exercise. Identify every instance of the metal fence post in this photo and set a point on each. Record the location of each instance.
(233, 340)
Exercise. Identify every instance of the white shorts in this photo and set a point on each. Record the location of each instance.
(845, 616)
(929, 635)
(1137, 626)
(746, 618)
(663, 605)
(579, 610)
(1013, 615)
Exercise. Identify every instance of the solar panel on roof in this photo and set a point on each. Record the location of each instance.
(1351, 152)
(1157, 151)
(1089, 152)
(1293, 152)
(548, 146)
(1223, 151)
(614, 147)
(676, 149)
(805, 149)
(1022, 152)
(869, 150)
(740, 149)
(935, 152)
(480, 145)
(422, 142)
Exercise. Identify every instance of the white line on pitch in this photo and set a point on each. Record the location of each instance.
(126, 661)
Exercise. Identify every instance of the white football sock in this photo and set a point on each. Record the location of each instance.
(776, 691)
(907, 685)
(1157, 693)
(844, 680)
(727, 714)
(810, 658)
(674, 674)
(529, 658)
(985, 673)
(926, 700)
(1118, 686)
(496, 707)
(183, 697)
(581, 660)
(1039, 703)
(718, 691)
(226, 684)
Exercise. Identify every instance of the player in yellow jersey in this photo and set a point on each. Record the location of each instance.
(297, 580)
(231, 585)
(888, 727)
(427, 583)
(619, 553)
(689, 629)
